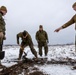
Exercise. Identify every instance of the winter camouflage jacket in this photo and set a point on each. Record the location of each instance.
(2, 24)
(26, 40)
(41, 36)
(73, 20)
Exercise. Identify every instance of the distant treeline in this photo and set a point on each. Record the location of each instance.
(48, 45)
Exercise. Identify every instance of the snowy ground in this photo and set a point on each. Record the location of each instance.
(55, 52)
(58, 70)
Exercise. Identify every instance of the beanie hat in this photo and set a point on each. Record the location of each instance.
(40, 26)
(3, 8)
(24, 33)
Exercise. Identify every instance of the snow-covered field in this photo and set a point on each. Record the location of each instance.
(55, 52)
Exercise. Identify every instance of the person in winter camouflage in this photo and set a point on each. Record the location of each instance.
(42, 40)
(3, 11)
(70, 22)
(26, 41)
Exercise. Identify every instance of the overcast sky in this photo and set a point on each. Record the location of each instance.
(29, 14)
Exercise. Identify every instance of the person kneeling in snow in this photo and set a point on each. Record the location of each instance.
(26, 41)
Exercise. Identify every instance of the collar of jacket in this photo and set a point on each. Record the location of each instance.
(40, 30)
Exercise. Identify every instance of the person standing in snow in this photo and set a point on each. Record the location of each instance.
(26, 41)
(42, 40)
(70, 22)
(3, 11)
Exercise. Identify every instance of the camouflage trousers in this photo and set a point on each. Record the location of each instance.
(23, 45)
(40, 45)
